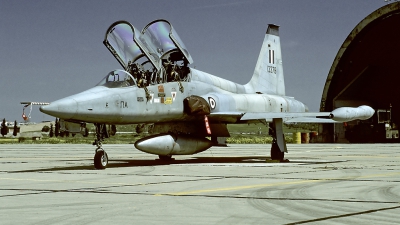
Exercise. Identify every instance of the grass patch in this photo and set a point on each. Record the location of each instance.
(240, 134)
(8, 140)
(254, 139)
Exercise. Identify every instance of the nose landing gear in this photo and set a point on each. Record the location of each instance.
(100, 157)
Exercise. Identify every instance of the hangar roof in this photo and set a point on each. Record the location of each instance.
(366, 69)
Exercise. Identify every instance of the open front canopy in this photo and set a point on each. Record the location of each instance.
(120, 41)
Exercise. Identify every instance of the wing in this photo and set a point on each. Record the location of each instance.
(226, 117)
(343, 114)
(288, 117)
(307, 117)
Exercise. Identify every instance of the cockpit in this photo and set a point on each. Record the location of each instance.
(153, 56)
(117, 79)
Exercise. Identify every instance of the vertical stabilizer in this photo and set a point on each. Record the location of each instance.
(268, 74)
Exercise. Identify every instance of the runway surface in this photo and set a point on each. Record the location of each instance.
(322, 184)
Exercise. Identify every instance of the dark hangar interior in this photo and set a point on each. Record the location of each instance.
(366, 70)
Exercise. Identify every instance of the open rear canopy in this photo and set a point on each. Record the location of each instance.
(160, 38)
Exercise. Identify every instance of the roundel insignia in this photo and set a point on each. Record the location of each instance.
(212, 102)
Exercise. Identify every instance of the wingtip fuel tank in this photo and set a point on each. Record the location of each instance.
(345, 114)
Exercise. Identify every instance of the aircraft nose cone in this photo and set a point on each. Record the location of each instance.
(63, 108)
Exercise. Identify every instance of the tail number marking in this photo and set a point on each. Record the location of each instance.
(271, 69)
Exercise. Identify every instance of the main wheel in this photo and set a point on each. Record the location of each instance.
(100, 159)
(165, 157)
(276, 153)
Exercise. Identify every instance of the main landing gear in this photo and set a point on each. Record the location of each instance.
(276, 153)
(165, 157)
(278, 147)
(100, 156)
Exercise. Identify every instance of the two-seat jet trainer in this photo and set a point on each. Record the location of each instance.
(157, 86)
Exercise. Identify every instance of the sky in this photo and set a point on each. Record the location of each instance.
(50, 49)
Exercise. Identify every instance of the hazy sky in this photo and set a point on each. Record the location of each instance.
(52, 49)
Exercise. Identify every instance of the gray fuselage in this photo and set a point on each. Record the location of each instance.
(129, 105)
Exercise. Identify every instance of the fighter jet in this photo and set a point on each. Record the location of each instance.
(189, 108)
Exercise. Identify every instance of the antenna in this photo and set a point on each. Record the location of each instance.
(24, 116)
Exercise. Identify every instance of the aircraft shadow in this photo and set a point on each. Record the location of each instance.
(121, 163)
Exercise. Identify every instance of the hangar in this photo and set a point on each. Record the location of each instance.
(366, 70)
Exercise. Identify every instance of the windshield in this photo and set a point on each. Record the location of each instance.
(117, 78)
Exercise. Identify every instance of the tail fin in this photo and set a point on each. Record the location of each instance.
(268, 74)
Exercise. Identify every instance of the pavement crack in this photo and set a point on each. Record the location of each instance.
(284, 199)
(344, 215)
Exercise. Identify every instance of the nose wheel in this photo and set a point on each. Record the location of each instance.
(100, 159)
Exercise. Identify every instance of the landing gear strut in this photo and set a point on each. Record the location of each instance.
(100, 156)
(278, 147)
(276, 153)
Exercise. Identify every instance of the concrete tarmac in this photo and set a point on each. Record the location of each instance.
(239, 184)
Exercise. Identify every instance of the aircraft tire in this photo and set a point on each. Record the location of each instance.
(100, 160)
(276, 153)
(165, 157)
